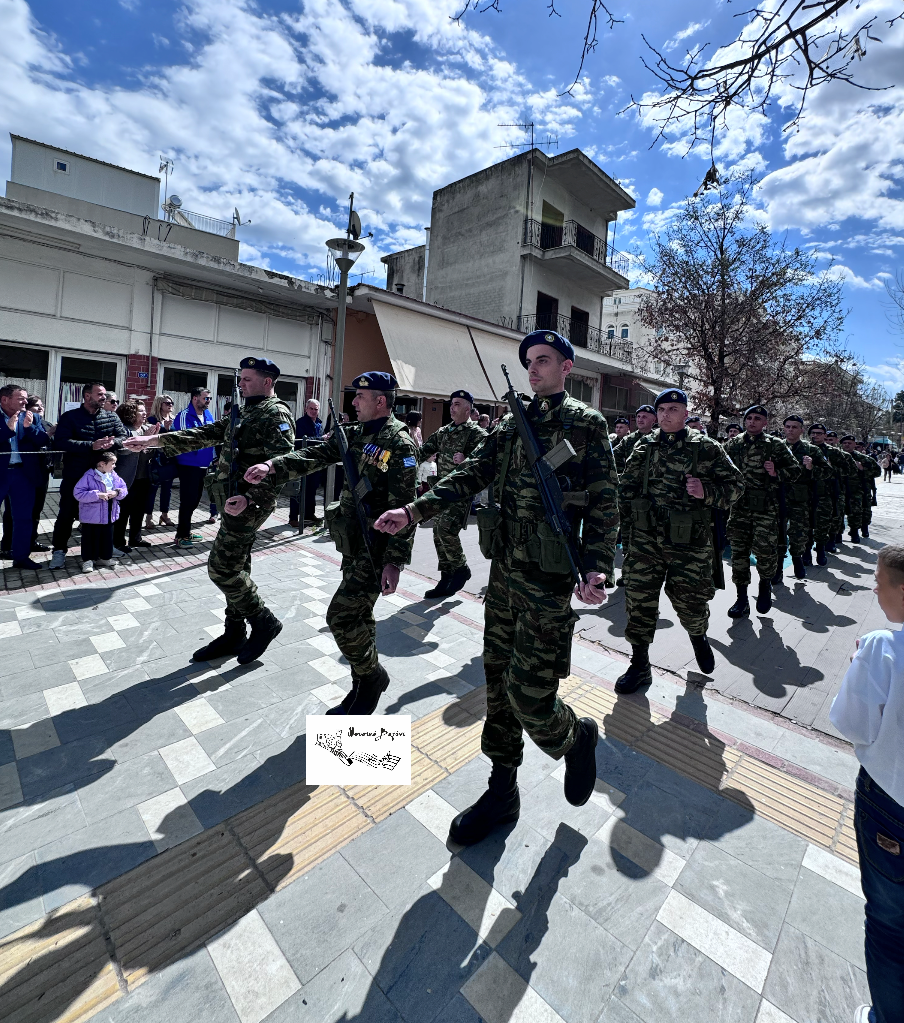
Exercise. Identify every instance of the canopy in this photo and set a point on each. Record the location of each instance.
(431, 355)
(496, 352)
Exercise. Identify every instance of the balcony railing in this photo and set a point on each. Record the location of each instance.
(201, 222)
(580, 334)
(556, 236)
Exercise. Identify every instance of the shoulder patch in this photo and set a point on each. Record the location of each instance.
(284, 426)
(410, 462)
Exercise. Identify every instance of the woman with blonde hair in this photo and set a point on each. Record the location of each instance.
(163, 411)
(133, 468)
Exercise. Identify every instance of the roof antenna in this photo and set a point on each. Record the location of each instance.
(166, 167)
(550, 140)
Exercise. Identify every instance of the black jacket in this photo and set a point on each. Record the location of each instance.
(77, 431)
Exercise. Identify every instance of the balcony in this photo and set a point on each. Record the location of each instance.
(581, 335)
(570, 236)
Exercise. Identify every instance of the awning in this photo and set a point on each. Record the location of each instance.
(430, 355)
(496, 352)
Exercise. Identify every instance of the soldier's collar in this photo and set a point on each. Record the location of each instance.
(255, 399)
(673, 438)
(374, 426)
(540, 406)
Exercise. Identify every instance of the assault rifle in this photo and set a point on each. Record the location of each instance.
(543, 465)
(235, 414)
(360, 486)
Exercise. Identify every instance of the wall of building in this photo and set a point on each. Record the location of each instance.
(555, 280)
(547, 189)
(476, 229)
(405, 272)
(95, 182)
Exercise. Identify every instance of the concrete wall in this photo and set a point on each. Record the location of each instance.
(162, 230)
(35, 165)
(476, 229)
(541, 276)
(547, 189)
(405, 272)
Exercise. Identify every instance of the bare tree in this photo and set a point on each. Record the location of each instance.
(838, 393)
(895, 291)
(739, 307)
(799, 43)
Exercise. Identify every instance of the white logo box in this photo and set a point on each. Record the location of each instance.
(358, 749)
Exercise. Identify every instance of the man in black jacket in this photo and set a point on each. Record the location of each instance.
(81, 433)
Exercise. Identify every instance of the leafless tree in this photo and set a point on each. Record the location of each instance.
(799, 43)
(735, 304)
(838, 393)
(895, 291)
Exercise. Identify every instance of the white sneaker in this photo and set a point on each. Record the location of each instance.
(87, 566)
(105, 563)
(57, 560)
(117, 553)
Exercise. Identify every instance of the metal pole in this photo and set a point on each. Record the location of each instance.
(337, 372)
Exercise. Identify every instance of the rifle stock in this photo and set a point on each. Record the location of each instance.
(543, 465)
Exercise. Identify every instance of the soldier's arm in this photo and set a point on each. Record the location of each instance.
(472, 476)
(822, 467)
(297, 463)
(402, 490)
(723, 483)
(873, 469)
(787, 467)
(630, 481)
(620, 455)
(476, 436)
(180, 442)
(429, 448)
(600, 522)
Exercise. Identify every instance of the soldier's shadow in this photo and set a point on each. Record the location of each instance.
(797, 601)
(775, 669)
(665, 803)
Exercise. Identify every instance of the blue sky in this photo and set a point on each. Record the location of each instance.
(283, 108)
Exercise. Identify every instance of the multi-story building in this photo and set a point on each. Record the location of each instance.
(526, 244)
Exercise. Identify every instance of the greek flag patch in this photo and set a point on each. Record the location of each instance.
(284, 427)
(410, 462)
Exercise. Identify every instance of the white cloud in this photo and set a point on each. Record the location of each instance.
(889, 373)
(655, 197)
(306, 109)
(692, 29)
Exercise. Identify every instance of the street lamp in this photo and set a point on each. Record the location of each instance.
(345, 251)
(682, 372)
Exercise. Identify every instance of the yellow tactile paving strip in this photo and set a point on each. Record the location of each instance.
(94, 950)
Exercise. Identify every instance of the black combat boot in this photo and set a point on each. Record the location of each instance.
(349, 698)
(800, 569)
(706, 659)
(808, 557)
(855, 536)
(265, 627)
(442, 587)
(620, 581)
(638, 673)
(864, 532)
(226, 645)
(778, 578)
(821, 558)
(500, 804)
(741, 607)
(370, 688)
(458, 578)
(580, 763)
(830, 546)
(839, 538)
(764, 597)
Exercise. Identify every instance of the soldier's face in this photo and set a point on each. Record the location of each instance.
(460, 410)
(671, 416)
(754, 424)
(546, 370)
(832, 440)
(621, 430)
(793, 430)
(818, 436)
(252, 384)
(733, 432)
(369, 405)
(645, 421)
(849, 445)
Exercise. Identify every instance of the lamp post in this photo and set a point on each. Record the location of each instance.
(345, 251)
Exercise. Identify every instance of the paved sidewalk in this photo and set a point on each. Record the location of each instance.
(673, 894)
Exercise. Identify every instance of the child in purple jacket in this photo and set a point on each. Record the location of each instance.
(98, 493)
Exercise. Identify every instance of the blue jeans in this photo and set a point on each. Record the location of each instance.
(16, 486)
(879, 822)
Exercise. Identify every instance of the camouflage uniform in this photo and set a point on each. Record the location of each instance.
(871, 471)
(664, 460)
(852, 493)
(753, 525)
(623, 449)
(831, 501)
(446, 442)
(529, 621)
(350, 615)
(802, 500)
(265, 429)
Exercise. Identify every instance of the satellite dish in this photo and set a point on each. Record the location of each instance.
(175, 201)
(354, 225)
(236, 215)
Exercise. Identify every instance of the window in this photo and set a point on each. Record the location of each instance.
(580, 388)
(25, 366)
(624, 332)
(178, 384)
(287, 391)
(610, 331)
(75, 373)
(580, 325)
(61, 166)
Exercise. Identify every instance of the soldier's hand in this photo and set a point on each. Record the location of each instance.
(695, 486)
(769, 466)
(808, 462)
(235, 505)
(593, 591)
(458, 458)
(392, 521)
(258, 472)
(389, 580)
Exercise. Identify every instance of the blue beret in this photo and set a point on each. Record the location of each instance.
(849, 436)
(462, 394)
(376, 381)
(621, 419)
(545, 337)
(831, 433)
(733, 426)
(645, 408)
(794, 419)
(261, 365)
(817, 426)
(672, 394)
(760, 410)
(693, 419)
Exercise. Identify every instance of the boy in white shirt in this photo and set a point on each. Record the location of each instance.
(869, 710)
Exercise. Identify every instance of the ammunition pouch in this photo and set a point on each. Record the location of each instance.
(552, 553)
(343, 529)
(681, 527)
(642, 516)
(757, 500)
(490, 532)
(798, 492)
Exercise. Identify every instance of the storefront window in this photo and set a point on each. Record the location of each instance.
(579, 388)
(75, 373)
(25, 366)
(178, 384)
(287, 391)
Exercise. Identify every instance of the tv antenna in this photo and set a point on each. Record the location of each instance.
(166, 167)
(550, 140)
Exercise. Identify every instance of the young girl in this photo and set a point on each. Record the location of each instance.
(98, 493)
